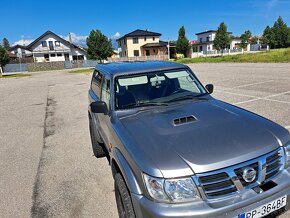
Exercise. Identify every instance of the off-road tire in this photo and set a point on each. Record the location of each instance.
(123, 198)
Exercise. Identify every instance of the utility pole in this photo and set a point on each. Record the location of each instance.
(168, 49)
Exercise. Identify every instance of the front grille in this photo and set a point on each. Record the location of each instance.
(273, 165)
(239, 173)
(217, 185)
(221, 183)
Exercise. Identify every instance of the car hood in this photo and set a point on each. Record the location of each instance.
(220, 135)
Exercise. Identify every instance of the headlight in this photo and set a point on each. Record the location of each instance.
(171, 190)
(287, 151)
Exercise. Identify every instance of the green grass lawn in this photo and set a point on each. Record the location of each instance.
(273, 56)
(14, 75)
(83, 71)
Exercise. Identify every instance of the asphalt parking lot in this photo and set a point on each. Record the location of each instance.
(46, 164)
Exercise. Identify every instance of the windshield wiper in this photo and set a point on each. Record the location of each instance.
(187, 97)
(142, 104)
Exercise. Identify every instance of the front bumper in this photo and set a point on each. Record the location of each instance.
(231, 207)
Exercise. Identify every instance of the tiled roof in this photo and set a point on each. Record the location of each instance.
(139, 32)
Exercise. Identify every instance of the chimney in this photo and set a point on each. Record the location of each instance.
(69, 38)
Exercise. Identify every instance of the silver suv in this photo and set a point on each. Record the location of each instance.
(175, 151)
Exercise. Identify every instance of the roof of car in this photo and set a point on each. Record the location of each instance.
(117, 68)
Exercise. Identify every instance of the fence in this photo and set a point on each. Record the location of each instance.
(11, 68)
(259, 47)
(60, 65)
(217, 53)
(140, 58)
(44, 66)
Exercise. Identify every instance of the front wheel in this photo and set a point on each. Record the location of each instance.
(123, 198)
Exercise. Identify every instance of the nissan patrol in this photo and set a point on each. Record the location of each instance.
(175, 151)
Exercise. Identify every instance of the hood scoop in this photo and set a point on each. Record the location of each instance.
(184, 120)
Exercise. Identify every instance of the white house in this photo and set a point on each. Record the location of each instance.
(20, 51)
(205, 39)
(50, 47)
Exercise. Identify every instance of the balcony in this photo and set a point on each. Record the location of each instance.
(51, 49)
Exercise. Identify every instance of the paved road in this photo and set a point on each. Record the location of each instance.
(46, 163)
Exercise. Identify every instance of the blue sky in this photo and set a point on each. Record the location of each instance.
(29, 19)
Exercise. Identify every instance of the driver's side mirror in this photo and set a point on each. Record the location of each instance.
(99, 107)
(209, 88)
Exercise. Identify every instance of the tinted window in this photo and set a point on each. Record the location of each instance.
(96, 83)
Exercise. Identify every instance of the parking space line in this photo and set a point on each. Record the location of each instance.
(250, 84)
(242, 102)
(254, 98)
(268, 99)
(250, 96)
(282, 93)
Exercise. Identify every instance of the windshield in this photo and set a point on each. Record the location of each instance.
(156, 88)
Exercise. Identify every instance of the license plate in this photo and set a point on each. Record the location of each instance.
(266, 209)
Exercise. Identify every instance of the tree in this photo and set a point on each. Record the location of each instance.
(277, 36)
(267, 36)
(99, 46)
(222, 39)
(5, 43)
(182, 43)
(4, 59)
(245, 39)
(280, 34)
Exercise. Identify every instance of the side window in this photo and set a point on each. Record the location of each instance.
(106, 91)
(96, 83)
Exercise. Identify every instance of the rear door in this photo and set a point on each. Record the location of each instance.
(105, 119)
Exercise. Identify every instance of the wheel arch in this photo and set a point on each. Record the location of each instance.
(120, 165)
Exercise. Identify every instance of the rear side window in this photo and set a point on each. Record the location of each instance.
(96, 83)
(106, 91)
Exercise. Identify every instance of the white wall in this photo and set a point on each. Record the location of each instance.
(39, 50)
(211, 36)
(38, 46)
(234, 42)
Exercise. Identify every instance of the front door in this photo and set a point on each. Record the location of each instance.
(66, 57)
(147, 52)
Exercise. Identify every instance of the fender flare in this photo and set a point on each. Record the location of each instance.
(126, 171)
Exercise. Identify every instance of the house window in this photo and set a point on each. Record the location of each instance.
(154, 51)
(207, 39)
(57, 43)
(46, 57)
(200, 40)
(52, 55)
(200, 48)
(43, 43)
(145, 38)
(153, 38)
(59, 54)
(135, 40)
(124, 41)
(136, 53)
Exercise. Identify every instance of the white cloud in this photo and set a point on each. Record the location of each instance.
(24, 42)
(116, 36)
(76, 39)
